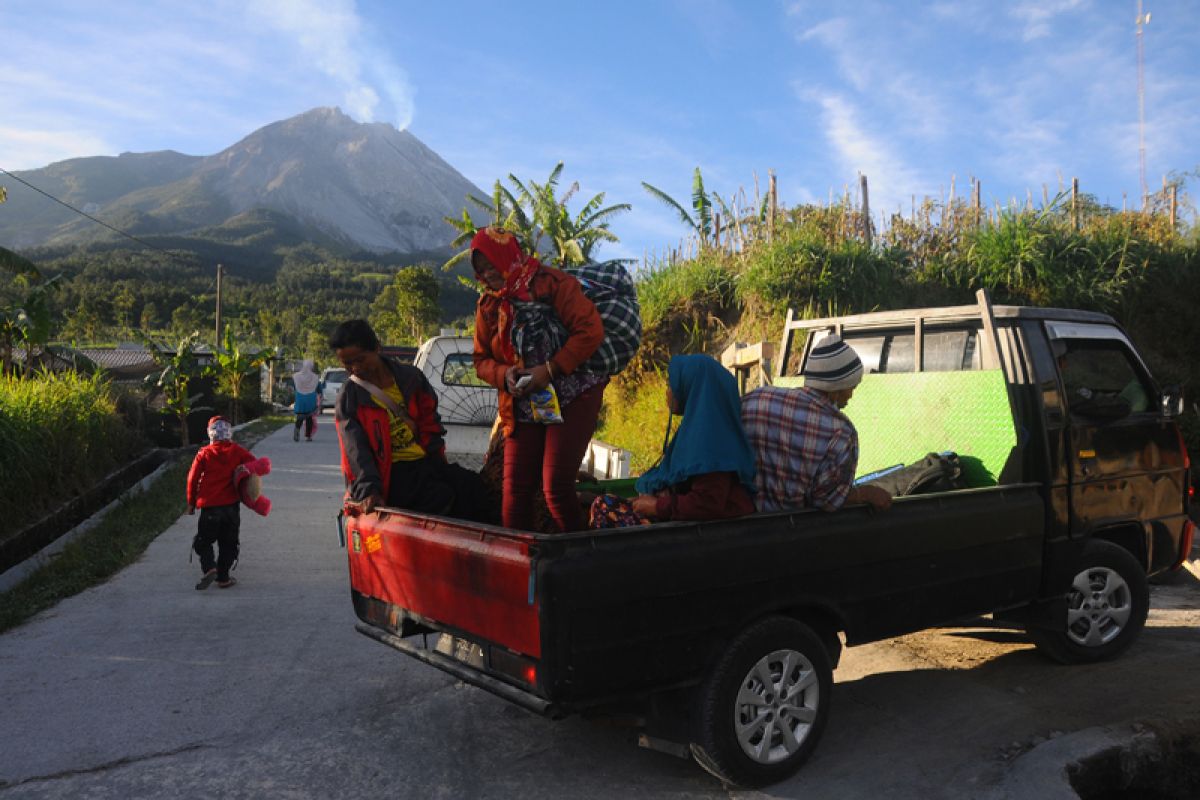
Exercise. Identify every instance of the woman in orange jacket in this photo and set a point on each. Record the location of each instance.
(533, 451)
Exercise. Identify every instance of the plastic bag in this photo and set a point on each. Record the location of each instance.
(544, 404)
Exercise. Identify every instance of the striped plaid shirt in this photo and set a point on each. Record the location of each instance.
(807, 449)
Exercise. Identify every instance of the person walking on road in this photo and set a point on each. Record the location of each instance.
(210, 487)
(307, 404)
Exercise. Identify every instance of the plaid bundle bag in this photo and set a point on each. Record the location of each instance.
(537, 331)
(610, 287)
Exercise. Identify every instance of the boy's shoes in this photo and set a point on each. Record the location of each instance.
(308, 438)
(226, 584)
(296, 435)
(208, 578)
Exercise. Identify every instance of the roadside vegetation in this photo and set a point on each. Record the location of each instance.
(823, 260)
(118, 540)
(60, 433)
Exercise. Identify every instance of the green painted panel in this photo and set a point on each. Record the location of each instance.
(904, 415)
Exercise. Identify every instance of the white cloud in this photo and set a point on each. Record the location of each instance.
(891, 180)
(31, 148)
(1036, 17)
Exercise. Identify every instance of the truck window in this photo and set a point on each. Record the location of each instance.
(891, 352)
(459, 370)
(945, 350)
(869, 350)
(951, 351)
(1102, 371)
(899, 355)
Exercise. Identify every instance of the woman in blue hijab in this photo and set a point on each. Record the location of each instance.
(707, 470)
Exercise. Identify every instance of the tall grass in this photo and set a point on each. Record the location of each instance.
(635, 417)
(706, 281)
(59, 434)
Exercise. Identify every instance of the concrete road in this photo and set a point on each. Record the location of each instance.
(144, 687)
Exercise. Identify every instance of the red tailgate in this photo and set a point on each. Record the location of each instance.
(468, 578)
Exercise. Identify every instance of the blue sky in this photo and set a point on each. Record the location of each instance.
(1019, 94)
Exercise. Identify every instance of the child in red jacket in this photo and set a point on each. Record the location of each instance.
(210, 487)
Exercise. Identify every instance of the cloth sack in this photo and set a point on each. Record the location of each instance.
(937, 472)
(609, 285)
(537, 332)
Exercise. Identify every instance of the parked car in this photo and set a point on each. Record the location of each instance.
(333, 378)
(728, 655)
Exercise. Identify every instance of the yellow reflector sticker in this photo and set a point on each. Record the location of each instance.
(1087, 453)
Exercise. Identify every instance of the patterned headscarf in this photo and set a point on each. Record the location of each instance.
(504, 252)
(219, 430)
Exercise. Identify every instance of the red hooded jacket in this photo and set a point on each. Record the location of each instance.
(210, 480)
(365, 433)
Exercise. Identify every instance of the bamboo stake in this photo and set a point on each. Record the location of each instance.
(772, 193)
(1174, 205)
(866, 211)
(1074, 202)
(976, 203)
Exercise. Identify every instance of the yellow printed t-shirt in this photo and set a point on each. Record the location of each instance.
(404, 444)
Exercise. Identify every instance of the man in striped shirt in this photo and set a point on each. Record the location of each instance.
(806, 448)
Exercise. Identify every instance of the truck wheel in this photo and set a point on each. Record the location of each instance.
(1106, 607)
(761, 710)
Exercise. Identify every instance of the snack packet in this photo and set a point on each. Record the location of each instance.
(544, 404)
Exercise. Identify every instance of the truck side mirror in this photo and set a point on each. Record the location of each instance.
(1171, 401)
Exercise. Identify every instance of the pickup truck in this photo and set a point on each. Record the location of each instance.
(722, 636)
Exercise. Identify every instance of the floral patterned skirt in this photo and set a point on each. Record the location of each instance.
(610, 511)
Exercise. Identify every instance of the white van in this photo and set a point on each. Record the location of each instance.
(333, 378)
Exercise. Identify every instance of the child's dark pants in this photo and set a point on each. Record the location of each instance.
(218, 524)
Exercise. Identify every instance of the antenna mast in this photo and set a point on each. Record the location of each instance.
(1142, 20)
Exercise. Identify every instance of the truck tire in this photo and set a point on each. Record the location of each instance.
(764, 705)
(1106, 607)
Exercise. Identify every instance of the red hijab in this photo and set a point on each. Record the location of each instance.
(504, 251)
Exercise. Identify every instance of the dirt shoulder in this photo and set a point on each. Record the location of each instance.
(969, 711)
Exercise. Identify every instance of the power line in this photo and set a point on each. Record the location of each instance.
(100, 222)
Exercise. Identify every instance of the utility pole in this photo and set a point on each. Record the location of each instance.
(220, 272)
(1142, 20)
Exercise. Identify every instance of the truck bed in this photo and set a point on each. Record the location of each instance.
(572, 620)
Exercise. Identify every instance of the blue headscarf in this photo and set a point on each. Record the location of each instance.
(711, 437)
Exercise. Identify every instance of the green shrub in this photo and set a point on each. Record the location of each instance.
(59, 435)
(706, 281)
(635, 417)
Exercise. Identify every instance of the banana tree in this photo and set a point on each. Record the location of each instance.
(535, 211)
(175, 370)
(700, 218)
(25, 317)
(230, 366)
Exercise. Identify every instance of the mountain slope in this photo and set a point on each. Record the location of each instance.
(365, 186)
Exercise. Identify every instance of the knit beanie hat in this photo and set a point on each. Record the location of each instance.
(832, 366)
(219, 430)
